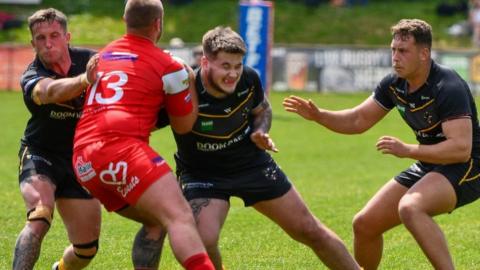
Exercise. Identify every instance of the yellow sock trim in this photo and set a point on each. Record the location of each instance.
(61, 265)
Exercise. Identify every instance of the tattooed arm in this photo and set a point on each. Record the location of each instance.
(261, 126)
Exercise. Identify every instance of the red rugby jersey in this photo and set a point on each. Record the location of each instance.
(135, 80)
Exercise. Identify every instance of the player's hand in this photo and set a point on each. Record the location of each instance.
(92, 68)
(305, 108)
(263, 141)
(393, 146)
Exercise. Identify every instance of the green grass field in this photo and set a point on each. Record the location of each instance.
(336, 175)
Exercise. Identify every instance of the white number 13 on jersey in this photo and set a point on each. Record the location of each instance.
(116, 86)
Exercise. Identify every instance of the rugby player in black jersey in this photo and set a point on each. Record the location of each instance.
(52, 86)
(438, 105)
(226, 155)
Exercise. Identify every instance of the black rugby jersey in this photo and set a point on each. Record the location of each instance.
(445, 95)
(51, 126)
(220, 139)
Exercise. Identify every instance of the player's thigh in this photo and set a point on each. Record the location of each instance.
(433, 194)
(38, 189)
(210, 215)
(37, 177)
(280, 211)
(381, 211)
(82, 218)
(163, 201)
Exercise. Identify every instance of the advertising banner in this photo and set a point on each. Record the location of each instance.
(256, 28)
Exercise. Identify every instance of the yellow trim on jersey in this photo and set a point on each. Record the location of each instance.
(396, 95)
(430, 128)
(221, 137)
(232, 112)
(464, 178)
(422, 107)
(21, 159)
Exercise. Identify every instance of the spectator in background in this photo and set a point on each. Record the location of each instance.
(197, 53)
(8, 21)
(474, 18)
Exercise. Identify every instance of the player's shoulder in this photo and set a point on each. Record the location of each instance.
(389, 80)
(81, 52)
(249, 76)
(34, 71)
(249, 72)
(442, 72)
(445, 78)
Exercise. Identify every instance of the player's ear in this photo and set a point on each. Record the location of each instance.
(158, 24)
(424, 53)
(68, 36)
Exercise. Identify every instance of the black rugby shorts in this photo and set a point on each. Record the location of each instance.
(464, 177)
(58, 168)
(253, 185)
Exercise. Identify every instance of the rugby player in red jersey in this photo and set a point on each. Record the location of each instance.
(112, 156)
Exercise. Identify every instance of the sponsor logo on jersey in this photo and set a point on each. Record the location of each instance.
(228, 110)
(217, 146)
(116, 175)
(424, 98)
(206, 125)
(85, 171)
(116, 56)
(197, 185)
(65, 115)
(124, 190)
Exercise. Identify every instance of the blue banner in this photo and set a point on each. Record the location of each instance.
(256, 28)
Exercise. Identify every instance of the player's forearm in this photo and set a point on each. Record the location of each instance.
(64, 89)
(263, 120)
(446, 152)
(344, 121)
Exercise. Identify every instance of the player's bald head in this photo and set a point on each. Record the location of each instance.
(141, 13)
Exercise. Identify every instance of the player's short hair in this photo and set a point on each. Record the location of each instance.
(141, 13)
(49, 15)
(420, 30)
(222, 39)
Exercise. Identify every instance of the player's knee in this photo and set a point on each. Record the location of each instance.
(86, 251)
(407, 210)
(361, 224)
(40, 213)
(310, 231)
(210, 241)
